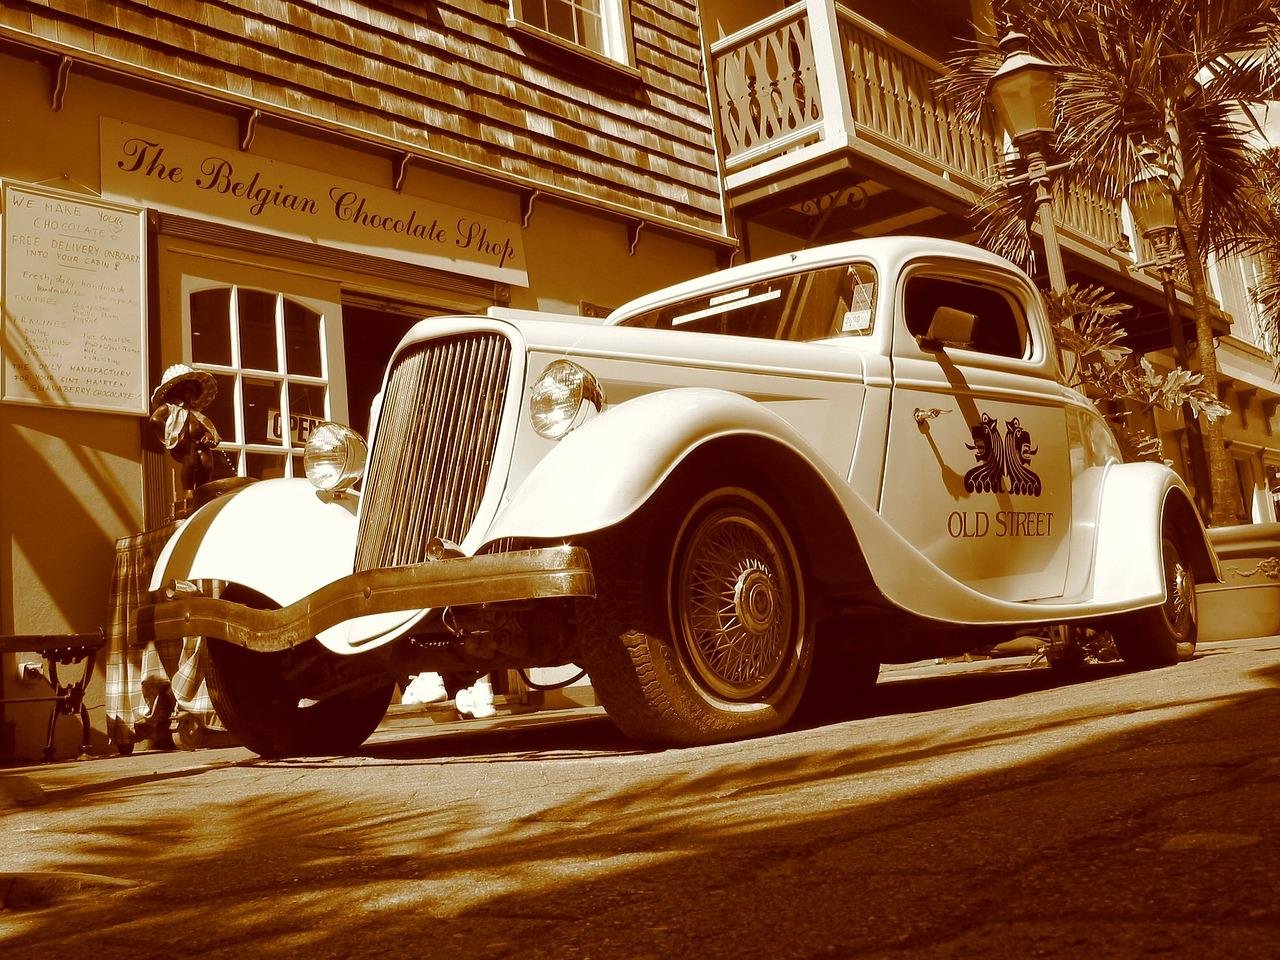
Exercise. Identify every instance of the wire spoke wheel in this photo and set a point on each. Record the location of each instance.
(734, 599)
(1180, 587)
(700, 633)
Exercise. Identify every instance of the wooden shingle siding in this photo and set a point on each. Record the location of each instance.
(447, 76)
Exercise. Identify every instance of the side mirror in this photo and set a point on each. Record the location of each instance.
(948, 327)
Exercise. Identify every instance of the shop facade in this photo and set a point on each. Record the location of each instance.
(285, 193)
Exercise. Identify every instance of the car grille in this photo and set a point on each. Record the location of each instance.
(434, 446)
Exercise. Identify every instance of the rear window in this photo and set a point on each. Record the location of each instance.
(814, 305)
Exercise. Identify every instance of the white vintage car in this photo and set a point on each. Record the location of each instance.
(735, 494)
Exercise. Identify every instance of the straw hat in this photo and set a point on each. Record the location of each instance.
(179, 376)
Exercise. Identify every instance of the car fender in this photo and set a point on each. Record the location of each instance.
(608, 468)
(282, 538)
(1133, 504)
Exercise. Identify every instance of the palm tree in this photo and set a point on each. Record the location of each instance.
(1139, 79)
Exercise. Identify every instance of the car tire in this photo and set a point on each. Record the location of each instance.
(262, 698)
(700, 630)
(1162, 635)
(842, 677)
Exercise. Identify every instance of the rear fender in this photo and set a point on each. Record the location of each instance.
(1135, 502)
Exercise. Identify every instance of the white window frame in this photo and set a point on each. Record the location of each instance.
(615, 27)
(332, 371)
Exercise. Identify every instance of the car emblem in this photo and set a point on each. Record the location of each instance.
(1004, 462)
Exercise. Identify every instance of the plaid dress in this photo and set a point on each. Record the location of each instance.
(136, 676)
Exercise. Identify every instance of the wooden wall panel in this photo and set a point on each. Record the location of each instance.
(448, 76)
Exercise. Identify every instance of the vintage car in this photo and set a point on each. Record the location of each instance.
(734, 495)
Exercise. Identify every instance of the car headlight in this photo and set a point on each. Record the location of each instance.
(563, 397)
(334, 456)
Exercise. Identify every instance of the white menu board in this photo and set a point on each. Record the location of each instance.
(72, 283)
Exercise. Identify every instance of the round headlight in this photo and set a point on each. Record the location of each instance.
(334, 456)
(562, 398)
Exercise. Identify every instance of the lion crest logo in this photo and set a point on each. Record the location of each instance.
(1004, 461)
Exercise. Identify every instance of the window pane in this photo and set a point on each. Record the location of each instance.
(264, 466)
(211, 326)
(222, 411)
(590, 30)
(306, 407)
(262, 412)
(534, 13)
(307, 399)
(298, 469)
(257, 330)
(301, 339)
(560, 19)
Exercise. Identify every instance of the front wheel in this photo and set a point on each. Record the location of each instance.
(700, 633)
(300, 702)
(1159, 636)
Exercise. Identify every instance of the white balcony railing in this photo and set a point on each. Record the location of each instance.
(817, 73)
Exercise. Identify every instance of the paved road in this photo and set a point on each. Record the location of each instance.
(962, 813)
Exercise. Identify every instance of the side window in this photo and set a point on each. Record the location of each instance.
(267, 353)
(995, 317)
(814, 305)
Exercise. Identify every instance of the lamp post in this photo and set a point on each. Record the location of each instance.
(1022, 92)
(1150, 199)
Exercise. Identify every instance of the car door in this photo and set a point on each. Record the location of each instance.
(977, 474)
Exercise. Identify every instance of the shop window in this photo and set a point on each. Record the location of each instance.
(599, 26)
(267, 353)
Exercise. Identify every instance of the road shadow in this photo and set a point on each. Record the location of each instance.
(1151, 832)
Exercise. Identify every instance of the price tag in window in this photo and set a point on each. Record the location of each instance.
(856, 321)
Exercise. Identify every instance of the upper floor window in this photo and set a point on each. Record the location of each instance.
(599, 26)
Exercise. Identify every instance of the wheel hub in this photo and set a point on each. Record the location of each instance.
(755, 601)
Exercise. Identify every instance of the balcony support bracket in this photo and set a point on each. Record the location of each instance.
(61, 77)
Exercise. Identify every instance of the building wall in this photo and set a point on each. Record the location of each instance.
(625, 209)
(449, 79)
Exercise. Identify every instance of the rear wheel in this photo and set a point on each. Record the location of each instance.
(1162, 635)
(700, 633)
(299, 702)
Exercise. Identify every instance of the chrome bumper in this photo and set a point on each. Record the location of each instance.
(457, 582)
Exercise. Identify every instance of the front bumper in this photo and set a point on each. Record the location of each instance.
(456, 582)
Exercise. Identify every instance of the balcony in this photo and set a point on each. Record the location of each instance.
(815, 91)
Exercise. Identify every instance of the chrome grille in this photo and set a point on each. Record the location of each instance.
(434, 447)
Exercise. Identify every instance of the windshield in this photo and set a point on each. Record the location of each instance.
(813, 305)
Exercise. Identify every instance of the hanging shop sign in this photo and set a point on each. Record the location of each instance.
(72, 286)
(161, 169)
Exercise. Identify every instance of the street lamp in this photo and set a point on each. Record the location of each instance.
(1022, 91)
(1150, 199)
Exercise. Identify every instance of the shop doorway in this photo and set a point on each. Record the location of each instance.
(369, 336)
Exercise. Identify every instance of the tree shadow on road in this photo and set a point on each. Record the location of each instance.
(1102, 828)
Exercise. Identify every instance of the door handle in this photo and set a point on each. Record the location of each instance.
(932, 413)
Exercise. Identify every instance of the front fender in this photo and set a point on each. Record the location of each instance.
(609, 467)
(281, 538)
